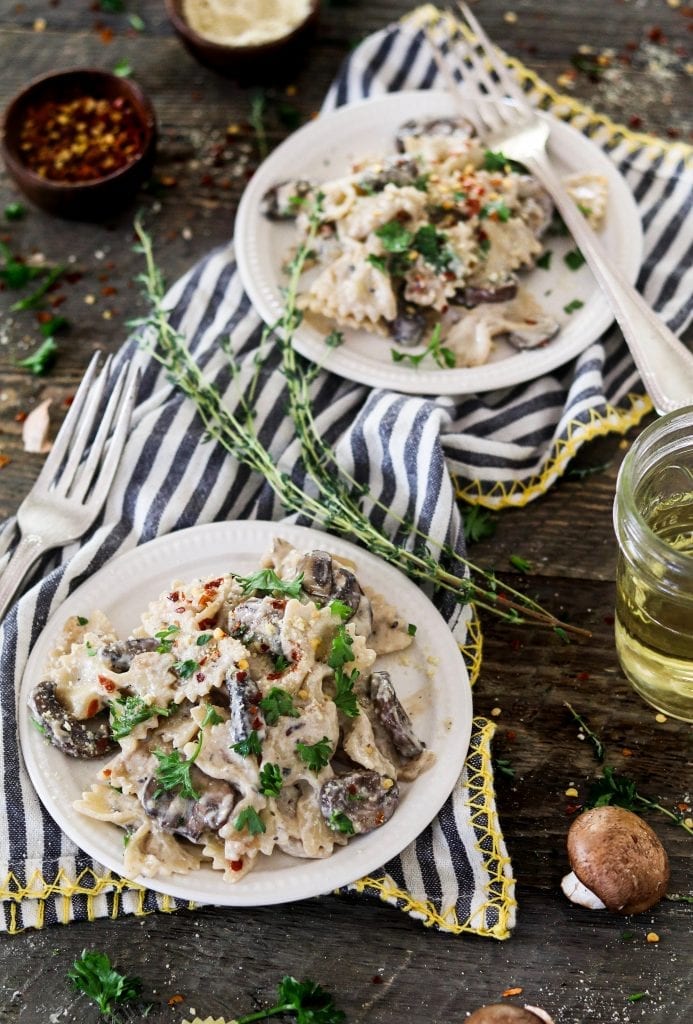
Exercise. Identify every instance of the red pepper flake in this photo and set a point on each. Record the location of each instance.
(235, 865)
(582, 677)
(627, 752)
(516, 643)
(174, 596)
(4, 461)
(107, 684)
(20, 416)
(241, 676)
(174, 1000)
(512, 992)
(106, 35)
(635, 121)
(168, 181)
(81, 139)
(683, 807)
(655, 35)
(107, 772)
(257, 723)
(511, 735)
(206, 623)
(608, 620)
(44, 317)
(200, 677)
(376, 980)
(93, 707)
(274, 675)
(572, 808)
(57, 300)
(109, 290)
(214, 584)
(73, 276)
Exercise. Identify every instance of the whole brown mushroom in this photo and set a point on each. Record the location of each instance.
(617, 862)
(508, 1013)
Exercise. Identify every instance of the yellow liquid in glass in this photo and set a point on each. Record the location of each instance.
(654, 630)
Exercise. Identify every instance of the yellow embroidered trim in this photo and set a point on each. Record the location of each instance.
(516, 493)
(428, 15)
(473, 647)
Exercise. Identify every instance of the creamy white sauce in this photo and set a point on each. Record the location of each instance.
(244, 22)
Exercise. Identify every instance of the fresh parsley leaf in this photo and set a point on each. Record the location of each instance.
(334, 339)
(184, 669)
(296, 201)
(574, 259)
(431, 245)
(494, 160)
(635, 997)
(316, 755)
(340, 650)
(271, 779)
(544, 260)
(421, 183)
(50, 327)
(203, 639)
(310, 1003)
(127, 712)
(614, 789)
(280, 663)
(341, 823)
(503, 767)
(479, 524)
(14, 272)
(212, 717)
(15, 211)
(411, 629)
(379, 262)
(173, 772)
(112, 6)
(520, 563)
(122, 68)
(164, 636)
(395, 236)
(40, 727)
(344, 697)
(93, 974)
(42, 359)
(249, 746)
(81, 621)
(572, 306)
(250, 819)
(442, 355)
(277, 703)
(266, 581)
(341, 609)
(497, 209)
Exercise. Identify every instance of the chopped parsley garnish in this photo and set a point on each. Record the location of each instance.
(184, 669)
(379, 262)
(127, 712)
(173, 771)
(82, 621)
(40, 727)
(297, 201)
(544, 261)
(635, 997)
(281, 662)
(421, 183)
(411, 629)
(122, 68)
(249, 746)
(520, 563)
(495, 208)
(494, 160)
(42, 359)
(271, 780)
(266, 581)
(15, 273)
(164, 638)
(431, 245)
(304, 1000)
(341, 609)
(136, 22)
(574, 259)
(572, 306)
(250, 819)
(484, 246)
(395, 236)
(93, 974)
(334, 339)
(203, 639)
(586, 211)
(341, 823)
(442, 355)
(51, 327)
(277, 703)
(90, 649)
(316, 755)
(340, 653)
(15, 211)
(478, 524)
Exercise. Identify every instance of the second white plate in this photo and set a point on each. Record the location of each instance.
(327, 147)
(431, 679)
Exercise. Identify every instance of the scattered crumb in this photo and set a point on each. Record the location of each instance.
(571, 791)
(652, 937)
(660, 717)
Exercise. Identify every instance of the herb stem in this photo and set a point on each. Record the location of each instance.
(592, 736)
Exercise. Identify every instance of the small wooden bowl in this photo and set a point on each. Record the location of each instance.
(98, 198)
(264, 62)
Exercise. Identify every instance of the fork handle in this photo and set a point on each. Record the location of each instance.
(25, 554)
(664, 363)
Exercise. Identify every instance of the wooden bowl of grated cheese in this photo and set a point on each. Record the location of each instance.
(246, 39)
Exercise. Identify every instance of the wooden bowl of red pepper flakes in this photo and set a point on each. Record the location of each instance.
(79, 143)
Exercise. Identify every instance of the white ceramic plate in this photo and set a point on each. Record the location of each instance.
(327, 147)
(431, 680)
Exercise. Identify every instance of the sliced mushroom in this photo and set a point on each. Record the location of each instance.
(536, 205)
(366, 798)
(258, 623)
(64, 731)
(326, 580)
(118, 656)
(284, 200)
(244, 700)
(447, 127)
(474, 295)
(618, 858)
(508, 1013)
(409, 326)
(186, 816)
(395, 170)
(531, 333)
(393, 717)
(522, 321)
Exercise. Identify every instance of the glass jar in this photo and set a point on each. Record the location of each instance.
(653, 519)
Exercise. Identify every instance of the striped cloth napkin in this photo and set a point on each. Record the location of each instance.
(501, 449)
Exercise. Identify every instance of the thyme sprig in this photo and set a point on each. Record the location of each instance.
(337, 505)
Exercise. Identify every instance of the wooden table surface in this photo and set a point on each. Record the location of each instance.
(381, 965)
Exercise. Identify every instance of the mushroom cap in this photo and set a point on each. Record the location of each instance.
(503, 1013)
(618, 856)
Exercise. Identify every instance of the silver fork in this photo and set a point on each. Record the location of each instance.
(71, 489)
(506, 121)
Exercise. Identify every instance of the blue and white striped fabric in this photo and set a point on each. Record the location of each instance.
(500, 448)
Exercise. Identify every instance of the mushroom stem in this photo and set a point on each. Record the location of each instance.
(579, 893)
